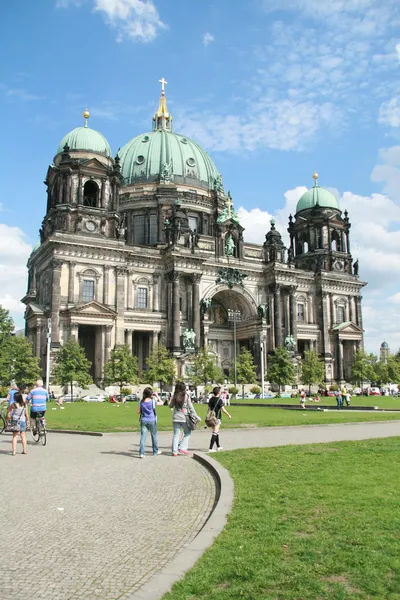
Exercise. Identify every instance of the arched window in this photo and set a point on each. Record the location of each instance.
(336, 243)
(90, 194)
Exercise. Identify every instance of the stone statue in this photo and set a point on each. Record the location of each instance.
(205, 304)
(166, 174)
(229, 212)
(290, 255)
(194, 239)
(355, 267)
(289, 343)
(231, 277)
(188, 338)
(218, 183)
(262, 311)
(229, 246)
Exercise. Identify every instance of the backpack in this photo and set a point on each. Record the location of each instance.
(211, 417)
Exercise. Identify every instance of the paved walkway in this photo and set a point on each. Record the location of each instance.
(92, 521)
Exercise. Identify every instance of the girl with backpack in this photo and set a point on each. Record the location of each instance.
(213, 419)
(18, 423)
(148, 421)
(182, 405)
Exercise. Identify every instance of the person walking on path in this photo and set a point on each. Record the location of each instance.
(10, 399)
(338, 395)
(148, 421)
(182, 405)
(18, 423)
(38, 397)
(302, 399)
(216, 404)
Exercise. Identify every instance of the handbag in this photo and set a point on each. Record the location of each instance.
(192, 418)
(14, 426)
(211, 417)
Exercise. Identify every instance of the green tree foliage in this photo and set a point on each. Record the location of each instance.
(160, 367)
(281, 370)
(17, 362)
(122, 367)
(72, 365)
(205, 368)
(312, 369)
(388, 372)
(245, 368)
(364, 367)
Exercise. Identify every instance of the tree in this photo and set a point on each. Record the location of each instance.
(160, 367)
(281, 370)
(72, 365)
(312, 369)
(122, 367)
(245, 368)
(205, 368)
(6, 325)
(363, 367)
(387, 372)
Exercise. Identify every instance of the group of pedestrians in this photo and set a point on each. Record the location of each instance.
(342, 396)
(17, 413)
(184, 419)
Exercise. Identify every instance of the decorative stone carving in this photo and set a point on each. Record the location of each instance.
(231, 277)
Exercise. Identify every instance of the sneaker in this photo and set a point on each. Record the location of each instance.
(141, 455)
(184, 452)
(212, 450)
(219, 449)
(157, 453)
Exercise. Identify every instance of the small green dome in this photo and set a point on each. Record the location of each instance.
(85, 138)
(317, 196)
(162, 155)
(384, 345)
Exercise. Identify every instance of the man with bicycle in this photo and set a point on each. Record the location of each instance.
(38, 398)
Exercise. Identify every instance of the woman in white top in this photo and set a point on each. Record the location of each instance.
(18, 420)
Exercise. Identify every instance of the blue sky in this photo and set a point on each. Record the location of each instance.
(272, 90)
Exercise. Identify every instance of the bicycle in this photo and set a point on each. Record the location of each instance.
(39, 431)
(3, 418)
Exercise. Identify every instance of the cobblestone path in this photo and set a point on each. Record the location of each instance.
(84, 518)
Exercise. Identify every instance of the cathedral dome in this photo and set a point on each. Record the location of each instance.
(85, 138)
(162, 155)
(317, 196)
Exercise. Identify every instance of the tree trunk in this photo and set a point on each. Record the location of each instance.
(242, 390)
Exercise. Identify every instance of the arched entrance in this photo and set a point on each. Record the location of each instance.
(231, 319)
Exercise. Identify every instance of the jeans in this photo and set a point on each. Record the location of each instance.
(339, 402)
(144, 428)
(175, 440)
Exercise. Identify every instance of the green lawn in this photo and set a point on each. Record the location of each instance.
(380, 401)
(308, 522)
(113, 417)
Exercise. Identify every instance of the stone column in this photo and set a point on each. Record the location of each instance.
(324, 325)
(156, 293)
(74, 331)
(130, 287)
(106, 283)
(176, 317)
(359, 311)
(131, 340)
(102, 333)
(102, 193)
(126, 337)
(71, 283)
(80, 190)
(120, 304)
(55, 302)
(339, 361)
(293, 314)
(38, 344)
(351, 308)
(277, 316)
(196, 307)
(332, 310)
(108, 344)
(154, 340)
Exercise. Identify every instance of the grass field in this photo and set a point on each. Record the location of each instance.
(114, 417)
(380, 401)
(317, 522)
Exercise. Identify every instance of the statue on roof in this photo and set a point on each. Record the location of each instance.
(289, 343)
(229, 246)
(229, 212)
(166, 174)
(218, 186)
(355, 267)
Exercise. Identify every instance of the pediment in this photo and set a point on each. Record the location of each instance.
(347, 328)
(92, 309)
(33, 310)
(95, 163)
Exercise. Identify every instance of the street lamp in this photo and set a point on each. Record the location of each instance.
(48, 354)
(262, 363)
(236, 317)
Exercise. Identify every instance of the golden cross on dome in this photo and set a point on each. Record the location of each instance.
(163, 82)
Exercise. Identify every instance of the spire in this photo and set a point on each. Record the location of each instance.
(316, 186)
(86, 115)
(162, 119)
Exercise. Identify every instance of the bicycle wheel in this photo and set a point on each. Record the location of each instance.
(2, 424)
(35, 431)
(42, 434)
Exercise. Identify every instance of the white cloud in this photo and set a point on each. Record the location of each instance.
(14, 253)
(398, 51)
(389, 113)
(388, 172)
(208, 38)
(19, 94)
(135, 19)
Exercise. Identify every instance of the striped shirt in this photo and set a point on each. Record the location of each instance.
(38, 398)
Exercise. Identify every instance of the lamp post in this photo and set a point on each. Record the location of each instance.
(48, 354)
(235, 316)
(262, 363)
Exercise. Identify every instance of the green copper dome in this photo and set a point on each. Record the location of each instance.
(317, 196)
(85, 138)
(164, 156)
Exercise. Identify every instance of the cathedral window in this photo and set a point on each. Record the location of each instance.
(193, 223)
(300, 312)
(142, 297)
(90, 194)
(145, 229)
(340, 314)
(87, 290)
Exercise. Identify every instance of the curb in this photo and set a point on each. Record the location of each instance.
(75, 432)
(175, 569)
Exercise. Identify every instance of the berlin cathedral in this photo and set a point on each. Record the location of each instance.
(146, 248)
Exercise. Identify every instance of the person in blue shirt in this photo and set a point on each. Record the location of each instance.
(148, 420)
(10, 399)
(38, 398)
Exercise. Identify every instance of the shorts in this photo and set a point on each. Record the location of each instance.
(22, 426)
(37, 413)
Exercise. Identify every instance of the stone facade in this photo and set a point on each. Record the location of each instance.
(139, 262)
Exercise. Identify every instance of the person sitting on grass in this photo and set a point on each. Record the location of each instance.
(317, 398)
